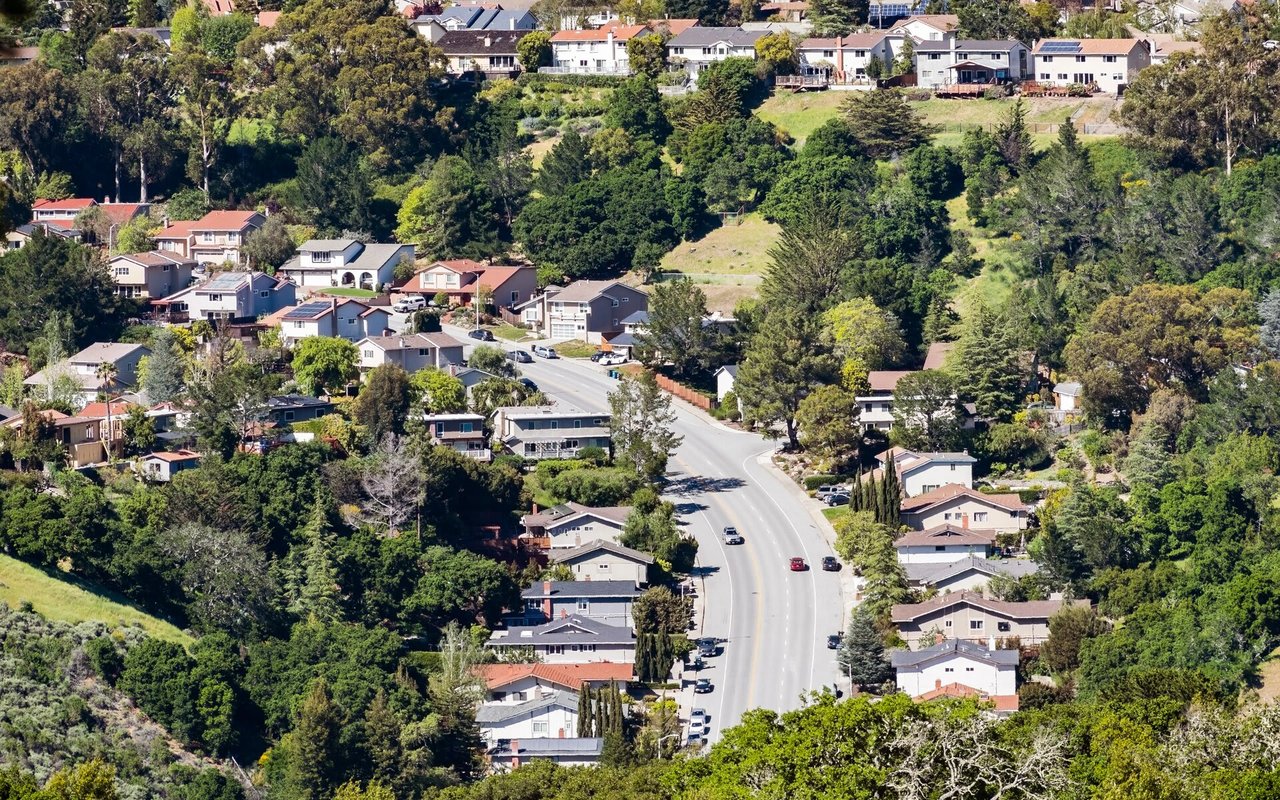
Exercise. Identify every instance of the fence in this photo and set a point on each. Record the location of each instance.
(684, 393)
(1098, 128)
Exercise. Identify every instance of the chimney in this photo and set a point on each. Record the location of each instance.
(488, 41)
(964, 521)
(991, 643)
(547, 609)
(937, 684)
(840, 58)
(515, 753)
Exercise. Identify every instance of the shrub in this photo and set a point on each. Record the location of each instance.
(105, 658)
(600, 486)
(812, 482)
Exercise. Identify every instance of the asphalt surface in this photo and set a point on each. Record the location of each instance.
(772, 622)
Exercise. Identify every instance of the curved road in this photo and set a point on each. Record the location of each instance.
(773, 622)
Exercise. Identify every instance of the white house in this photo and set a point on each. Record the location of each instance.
(572, 525)
(725, 377)
(944, 544)
(228, 297)
(923, 472)
(697, 47)
(1066, 395)
(972, 617)
(492, 53)
(877, 404)
(411, 352)
(987, 672)
(1110, 64)
(86, 369)
(969, 574)
(516, 683)
(552, 714)
(928, 27)
(959, 505)
(593, 52)
(943, 64)
(605, 560)
(572, 640)
(344, 318)
(326, 263)
(845, 58)
(538, 432)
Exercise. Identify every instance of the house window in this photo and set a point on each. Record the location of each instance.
(1003, 627)
(215, 298)
(948, 669)
(946, 624)
(583, 605)
(165, 268)
(540, 728)
(1062, 76)
(297, 323)
(321, 258)
(602, 567)
(860, 53)
(515, 297)
(953, 467)
(351, 321)
(979, 516)
(1044, 76)
(975, 624)
(828, 53)
(264, 293)
(968, 669)
(288, 415)
(577, 423)
(206, 238)
(1079, 59)
(940, 548)
(626, 299)
(555, 649)
(597, 422)
(519, 696)
(367, 353)
(934, 56)
(614, 303)
(1109, 59)
(122, 270)
(422, 351)
(1046, 59)
(963, 56)
(465, 427)
(88, 432)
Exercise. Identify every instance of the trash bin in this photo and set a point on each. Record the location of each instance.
(613, 373)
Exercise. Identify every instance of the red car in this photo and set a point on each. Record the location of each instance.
(798, 565)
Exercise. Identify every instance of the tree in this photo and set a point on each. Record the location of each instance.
(641, 425)
(224, 575)
(655, 531)
(828, 422)
(838, 17)
(778, 52)
(678, 332)
(839, 185)
(1269, 311)
(384, 401)
(647, 54)
(636, 107)
(995, 19)
(136, 235)
(492, 360)
(534, 50)
(322, 363)
(786, 360)
(438, 391)
(1068, 630)
(451, 215)
(205, 109)
(861, 656)
(392, 483)
(332, 188)
(809, 264)
(220, 36)
(659, 610)
(1013, 139)
(35, 104)
(92, 780)
(270, 246)
(927, 414)
(312, 746)
(460, 586)
(313, 587)
(883, 124)
(987, 363)
(566, 164)
(866, 338)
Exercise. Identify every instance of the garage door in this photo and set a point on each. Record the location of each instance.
(561, 330)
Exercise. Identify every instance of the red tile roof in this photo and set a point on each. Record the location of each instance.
(569, 676)
(177, 230)
(886, 380)
(224, 221)
(120, 213)
(178, 455)
(69, 204)
(1011, 502)
(98, 410)
(268, 19)
(621, 33)
(1002, 702)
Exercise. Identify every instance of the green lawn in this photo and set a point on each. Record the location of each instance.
(992, 286)
(351, 292)
(800, 114)
(510, 332)
(575, 349)
(75, 601)
(833, 514)
(736, 248)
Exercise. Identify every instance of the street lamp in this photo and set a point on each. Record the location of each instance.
(658, 745)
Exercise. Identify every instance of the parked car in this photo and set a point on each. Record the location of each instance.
(798, 565)
(542, 351)
(519, 356)
(824, 492)
(708, 646)
(702, 686)
(698, 716)
(834, 640)
(528, 384)
(834, 500)
(412, 303)
(613, 359)
(731, 535)
(697, 663)
(480, 334)
(597, 355)
(829, 564)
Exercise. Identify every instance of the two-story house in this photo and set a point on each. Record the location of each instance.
(411, 352)
(492, 54)
(1109, 64)
(100, 368)
(21, 235)
(972, 617)
(341, 317)
(844, 59)
(461, 432)
(942, 64)
(593, 52)
(229, 297)
(326, 263)
(876, 405)
(538, 432)
(944, 544)
(64, 210)
(153, 274)
(571, 640)
(546, 715)
(968, 508)
(697, 47)
(488, 17)
(460, 279)
(571, 525)
(82, 438)
(603, 560)
(217, 237)
(588, 310)
(971, 573)
(923, 472)
(955, 668)
(608, 601)
(286, 409)
(927, 27)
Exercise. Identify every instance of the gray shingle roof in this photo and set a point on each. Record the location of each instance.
(551, 748)
(495, 713)
(571, 589)
(929, 574)
(590, 548)
(953, 647)
(572, 629)
(705, 37)
(476, 42)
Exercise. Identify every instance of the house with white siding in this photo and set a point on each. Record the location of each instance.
(947, 63)
(538, 432)
(552, 715)
(928, 28)
(1109, 64)
(958, 668)
(844, 59)
(341, 317)
(329, 263)
(228, 297)
(572, 640)
(153, 274)
(697, 48)
(944, 545)
(571, 525)
(604, 560)
(593, 52)
(923, 472)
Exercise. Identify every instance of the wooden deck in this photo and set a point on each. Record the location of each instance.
(800, 83)
(964, 89)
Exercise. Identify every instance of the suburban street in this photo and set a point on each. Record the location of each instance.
(773, 622)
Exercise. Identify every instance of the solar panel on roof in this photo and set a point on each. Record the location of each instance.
(309, 309)
(229, 280)
(1060, 47)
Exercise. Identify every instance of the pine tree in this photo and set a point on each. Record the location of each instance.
(987, 364)
(313, 746)
(566, 164)
(861, 655)
(163, 379)
(1067, 137)
(316, 593)
(382, 729)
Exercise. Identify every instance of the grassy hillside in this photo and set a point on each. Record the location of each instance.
(728, 262)
(73, 602)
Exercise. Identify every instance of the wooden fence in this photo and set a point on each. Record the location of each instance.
(684, 393)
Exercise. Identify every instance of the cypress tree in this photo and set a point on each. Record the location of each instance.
(855, 491)
(584, 711)
(892, 497)
(616, 699)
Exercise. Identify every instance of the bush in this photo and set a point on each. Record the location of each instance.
(105, 658)
(539, 83)
(601, 486)
(812, 482)
(551, 468)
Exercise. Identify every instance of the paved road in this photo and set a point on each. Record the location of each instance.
(774, 622)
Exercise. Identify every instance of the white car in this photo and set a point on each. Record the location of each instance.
(411, 303)
(612, 359)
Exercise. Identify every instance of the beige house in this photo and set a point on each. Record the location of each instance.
(588, 310)
(1110, 64)
(943, 545)
(463, 433)
(971, 617)
(411, 353)
(572, 525)
(153, 274)
(87, 369)
(606, 561)
(958, 505)
(215, 238)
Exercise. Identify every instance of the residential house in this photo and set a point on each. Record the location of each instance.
(957, 504)
(877, 404)
(605, 560)
(1067, 396)
(1109, 64)
(971, 573)
(150, 275)
(944, 544)
(17, 56)
(571, 640)
(928, 28)
(972, 617)
(588, 310)
(220, 8)
(942, 64)
(1163, 46)
(161, 466)
(86, 368)
(576, 752)
(606, 601)
(593, 52)
(463, 433)
(538, 432)
(633, 326)
(516, 683)
(64, 210)
(493, 18)
(698, 47)
(286, 409)
(175, 238)
(345, 318)
(19, 236)
(571, 525)
(844, 59)
(228, 297)
(726, 377)
(923, 472)
(411, 352)
(786, 10)
(216, 238)
(326, 263)
(490, 53)
(547, 715)
(954, 667)
(81, 437)
(460, 280)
